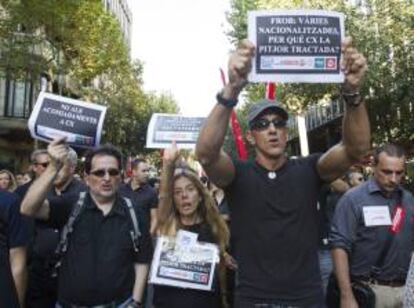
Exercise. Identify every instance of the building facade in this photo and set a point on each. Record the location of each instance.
(123, 14)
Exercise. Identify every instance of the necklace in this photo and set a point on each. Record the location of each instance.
(271, 175)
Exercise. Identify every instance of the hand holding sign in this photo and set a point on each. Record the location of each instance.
(171, 154)
(354, 66)
(58, 151)
(240, 65)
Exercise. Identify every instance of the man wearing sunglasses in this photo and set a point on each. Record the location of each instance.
(102, 265)
(273, 200)
(42, 285)
(39, 162)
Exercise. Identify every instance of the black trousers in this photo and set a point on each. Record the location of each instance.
(42, 287)
(8, 294)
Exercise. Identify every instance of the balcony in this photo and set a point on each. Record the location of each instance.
(317, 116)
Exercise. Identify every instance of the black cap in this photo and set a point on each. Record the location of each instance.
(264, 105)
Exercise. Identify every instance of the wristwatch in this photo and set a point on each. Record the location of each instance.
(352, 99)
(228, 103)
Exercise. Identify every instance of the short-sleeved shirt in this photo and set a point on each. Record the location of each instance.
(145, 196)
(17, 227)
(363, 242)
(13, 233)
(98, 266)
(22, 189)
(46, 238)
(274, 228)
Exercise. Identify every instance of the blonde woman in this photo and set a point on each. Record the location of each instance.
(7, 180)
(185, 204)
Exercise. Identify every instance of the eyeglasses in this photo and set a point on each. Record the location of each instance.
(100, 173)
(263, 124)
(44, 165)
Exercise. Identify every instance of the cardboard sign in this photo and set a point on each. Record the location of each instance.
(296, 46)
(54, 116)
(184, 266)
(164, 128)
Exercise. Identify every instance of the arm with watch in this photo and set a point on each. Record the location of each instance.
(356, 134)
(216, 162)
(141, 274)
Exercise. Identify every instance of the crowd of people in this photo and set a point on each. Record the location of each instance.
(307, 232)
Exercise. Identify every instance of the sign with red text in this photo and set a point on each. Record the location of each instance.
(184, 263)
(296, 46)
(55, 116)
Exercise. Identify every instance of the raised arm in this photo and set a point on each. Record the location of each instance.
(216, 162)
(356, 135)
(35, 203)
(166, 185)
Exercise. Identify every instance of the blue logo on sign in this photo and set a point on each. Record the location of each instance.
(319, 63)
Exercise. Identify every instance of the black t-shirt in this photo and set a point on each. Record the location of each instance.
(274, 228)
(172, 297)
(98, 266)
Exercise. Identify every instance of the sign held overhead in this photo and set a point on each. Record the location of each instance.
(55, 116)
(296, 46)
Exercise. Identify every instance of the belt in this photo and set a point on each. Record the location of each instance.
(394, 283)
(113, 304)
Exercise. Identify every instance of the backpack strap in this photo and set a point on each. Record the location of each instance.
(135, 233)
(68, 228)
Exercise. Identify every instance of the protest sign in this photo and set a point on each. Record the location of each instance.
(296, 46)
(54, 116)
(186, 264)
(164, 128)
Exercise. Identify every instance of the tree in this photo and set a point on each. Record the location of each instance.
(383, 32)
(84, 44)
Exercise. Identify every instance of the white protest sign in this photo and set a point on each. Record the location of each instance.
(296, 46)
(164, 128)
(55, 116)
(182, 265)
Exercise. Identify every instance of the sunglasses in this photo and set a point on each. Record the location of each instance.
(263, 124)
(100, 173)
(44, 165)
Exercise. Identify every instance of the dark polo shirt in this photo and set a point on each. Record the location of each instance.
(13, 233)
(99, 265)
(145, 196)
(46, 238)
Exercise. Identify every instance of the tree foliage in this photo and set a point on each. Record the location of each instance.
(82, 42)
(383, 31)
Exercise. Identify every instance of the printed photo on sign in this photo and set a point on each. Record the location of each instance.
(185, 266)
(164, 128)
(55, 116)
(296, 46)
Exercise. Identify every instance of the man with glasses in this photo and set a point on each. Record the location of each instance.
(102, 265)
(39, 162)
(273, 199)
(42, 285)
